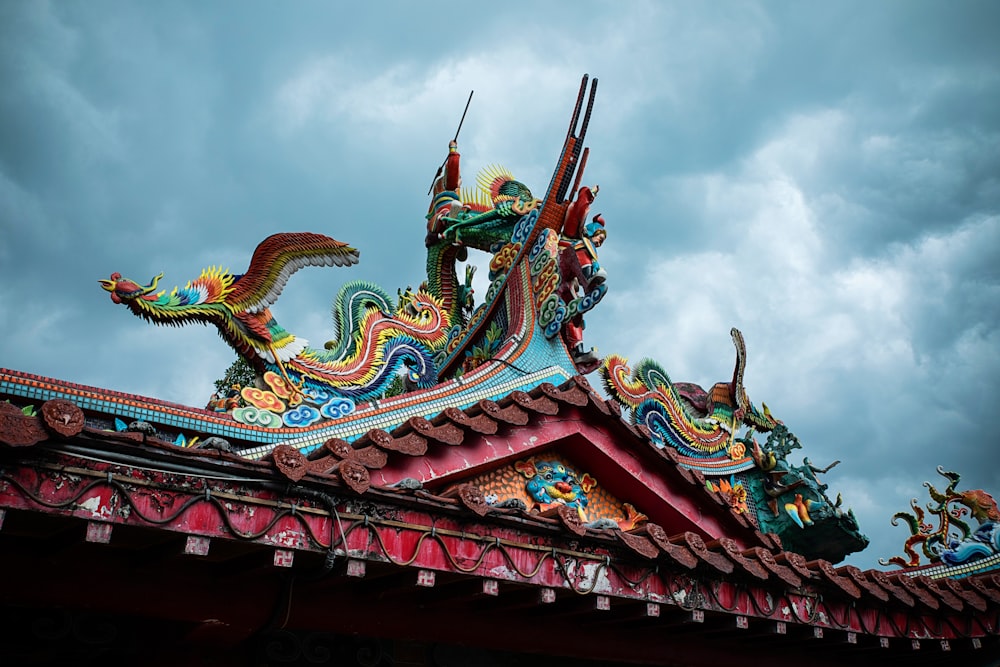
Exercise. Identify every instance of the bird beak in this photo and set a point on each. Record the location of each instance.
(110, 285)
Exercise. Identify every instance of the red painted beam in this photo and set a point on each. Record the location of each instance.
(413, 535)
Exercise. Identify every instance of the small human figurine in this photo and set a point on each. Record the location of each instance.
(585, 237)
(231, 400)
(581, 270)
(445, 202)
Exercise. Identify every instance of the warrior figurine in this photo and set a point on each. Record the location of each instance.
(583, 238)
(579, 266)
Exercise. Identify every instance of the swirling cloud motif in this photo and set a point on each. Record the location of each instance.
(277, 384)
(548, 241)
(737, 450)
(254, 417)
(264, 400)
(524, 226)
(503, 259)
(586, 302)
(317, 396)
(546, 283)
(337, 408)
(551, 314)
(304, 415)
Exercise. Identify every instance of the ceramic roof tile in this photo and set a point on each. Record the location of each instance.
(796, 562)
(410, 444)
(323, 465)
(639, 544)
(542, 404)
(479, 423)
(830, 574)
(986, 585)
(697, 546)
(888, 584)
(613, 408)
(766, 559)
(355, 476)
(471, 496)
(19, 430)
(967, 594)
(593, 398)
(676, 553)
(734, 554)
(765, 539)
(447, 433)
(290, 462)
(569, 392)
(569, 517)
(377, 437)
(942, 592)
(63, 417)
(858, 577)
(919, 592)
(510, 414)
(370, 456)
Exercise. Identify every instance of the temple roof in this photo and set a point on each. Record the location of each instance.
(345, 522)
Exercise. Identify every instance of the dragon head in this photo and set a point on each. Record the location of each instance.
(552, 482)
(123, 289)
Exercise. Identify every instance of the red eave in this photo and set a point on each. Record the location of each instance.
(575, 421)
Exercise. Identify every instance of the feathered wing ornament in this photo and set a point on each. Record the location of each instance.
(277, 258)
(238, 305)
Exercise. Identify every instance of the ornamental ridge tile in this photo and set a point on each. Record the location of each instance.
(942, 593)
(768, 562)
(827, 572)
(917, 591)
(858, 577)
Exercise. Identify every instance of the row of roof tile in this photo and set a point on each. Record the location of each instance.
(340, 462)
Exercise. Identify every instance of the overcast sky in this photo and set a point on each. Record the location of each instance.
(824, 176)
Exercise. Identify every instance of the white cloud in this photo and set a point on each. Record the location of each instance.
(836, 341)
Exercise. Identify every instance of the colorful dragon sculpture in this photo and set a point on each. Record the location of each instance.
(567, 277)
(952, 541)
(702, 427)
(552, 483)
(682, 415)
(460, 219)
